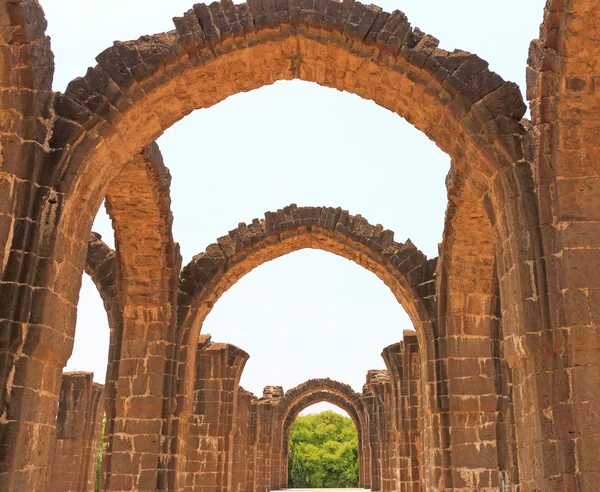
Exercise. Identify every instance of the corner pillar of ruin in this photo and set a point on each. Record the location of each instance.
(211, 428)
(78, 431)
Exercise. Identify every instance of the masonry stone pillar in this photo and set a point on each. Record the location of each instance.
(266, 413)
(411, 413)
(374, 402)
(78, 431)
(212, 426)
(245, 443)
(402, 362)
(556, 362)
(364, 459)
(393, 362)
(387, 437)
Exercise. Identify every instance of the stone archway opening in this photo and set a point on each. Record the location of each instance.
(323, 449)
(304, 396)
(312, 307)
(92, 339)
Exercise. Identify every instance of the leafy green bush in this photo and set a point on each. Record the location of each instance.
(323, 452)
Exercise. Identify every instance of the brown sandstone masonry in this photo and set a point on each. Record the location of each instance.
(78, 431)
(502, 393)
(402, 362)
(212, 428)
(245, 443)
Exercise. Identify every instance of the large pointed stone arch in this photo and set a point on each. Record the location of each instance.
(140, 88)
(402, 267)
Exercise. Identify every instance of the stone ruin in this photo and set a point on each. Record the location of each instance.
(502, 392)
(238, 442)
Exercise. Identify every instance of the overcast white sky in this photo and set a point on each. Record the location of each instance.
(309, 314)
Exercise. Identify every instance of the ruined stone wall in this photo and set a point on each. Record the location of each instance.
(78, 432)
(402, 362)
(387, 425)
(506, 319)
(210, 454)
(266, 416)
(245, 443)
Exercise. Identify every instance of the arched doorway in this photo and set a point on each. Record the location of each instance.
(303, 396)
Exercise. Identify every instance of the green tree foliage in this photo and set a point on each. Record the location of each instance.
(99, 460)
(323, 452)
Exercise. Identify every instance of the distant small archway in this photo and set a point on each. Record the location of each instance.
(305, 395)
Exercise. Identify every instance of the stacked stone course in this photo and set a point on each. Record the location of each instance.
(78, 432)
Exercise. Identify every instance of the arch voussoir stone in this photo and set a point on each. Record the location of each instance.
(402, 266)
(132, 73)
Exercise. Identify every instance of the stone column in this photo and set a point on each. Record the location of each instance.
(78, 431)
(385, 397)
(266, 413)
(555, 358)
(373, 398)
(364, 458)
(212, 426)
(245, 443)
(411, 405)
(393, 362)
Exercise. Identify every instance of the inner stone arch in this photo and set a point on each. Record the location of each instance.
(404, 269)
(307, 394)
(313, 308)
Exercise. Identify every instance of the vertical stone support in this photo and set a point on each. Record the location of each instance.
(557, 371)
(78, 431)
(212, 426)
(364, 458)
(33, 315)
(469, 405)
(245, 443)
(378, 383)
(411, 411)
(267, 414)
(280, 439)
(141, 426)
(372, 440)
(387, 436)
(393, 362)
(403, 365)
